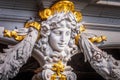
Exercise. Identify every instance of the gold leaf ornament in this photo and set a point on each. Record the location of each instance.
(77, 39)
(45, 13)
(13, 34)
(78, 16)
(82, 28)
(98, 39)
(61, 6)
(104, 38)
(33, 24)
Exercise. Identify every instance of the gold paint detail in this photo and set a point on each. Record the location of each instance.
(13, 34)
(16, 36)
(61, 6)
(98, 39)
(78, 16)
(33, 24)
(82, 28)
(45, 13)
(77, 39)
(58, 68)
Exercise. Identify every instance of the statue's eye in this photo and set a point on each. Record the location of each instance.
(67, 33)
(57, 32)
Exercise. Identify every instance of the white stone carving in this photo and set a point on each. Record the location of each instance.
(14, 57)
(57, 43)
(104, 64)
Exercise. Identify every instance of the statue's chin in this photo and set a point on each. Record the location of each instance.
(59, 50)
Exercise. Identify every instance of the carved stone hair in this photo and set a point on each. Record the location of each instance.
(50, 24)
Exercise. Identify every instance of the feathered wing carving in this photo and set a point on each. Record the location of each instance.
(16, 56)
(104, 64)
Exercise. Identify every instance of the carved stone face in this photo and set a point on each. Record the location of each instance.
(60, 36)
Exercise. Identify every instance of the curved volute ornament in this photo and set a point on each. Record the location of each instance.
(61, 35)
(61, 6)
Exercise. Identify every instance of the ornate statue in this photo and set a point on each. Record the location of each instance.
(60, 36)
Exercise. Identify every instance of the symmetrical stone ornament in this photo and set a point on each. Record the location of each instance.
(60, 36)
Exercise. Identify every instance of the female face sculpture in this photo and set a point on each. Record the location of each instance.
(59, 37)
(57, 33)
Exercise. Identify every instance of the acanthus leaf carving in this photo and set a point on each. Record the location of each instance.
(13, 58)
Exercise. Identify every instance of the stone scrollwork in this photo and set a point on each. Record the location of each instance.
(61, 6)
(62, 35)
(19, 34)
(103, 63)
(16, 34)
(33, 24)
(58, 68)
(13, 58)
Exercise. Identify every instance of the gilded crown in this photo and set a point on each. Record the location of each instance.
(61, 6)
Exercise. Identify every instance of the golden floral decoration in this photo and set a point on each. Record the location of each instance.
(61, 6)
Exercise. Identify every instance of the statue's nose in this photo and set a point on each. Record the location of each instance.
(63, 37)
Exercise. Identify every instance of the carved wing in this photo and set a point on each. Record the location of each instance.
(16, 56)
(104, 64)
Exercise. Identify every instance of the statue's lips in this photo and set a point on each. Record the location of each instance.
(61, 44)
